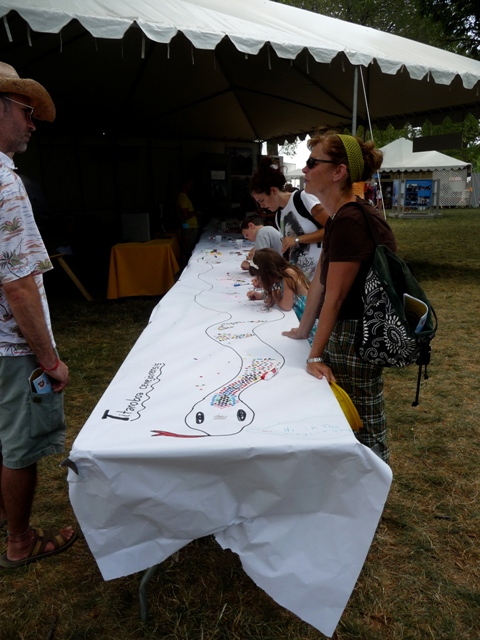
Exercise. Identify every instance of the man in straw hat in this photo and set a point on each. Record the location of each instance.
(32, 376)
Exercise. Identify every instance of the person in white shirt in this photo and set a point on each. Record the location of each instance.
(300, 217)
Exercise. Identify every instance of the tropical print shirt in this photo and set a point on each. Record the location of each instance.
(22, 253)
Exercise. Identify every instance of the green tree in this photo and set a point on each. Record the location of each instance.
(385, 136)
(460, 22)
(402, 19)
(449, 24)
(470, 130)
(289, 149)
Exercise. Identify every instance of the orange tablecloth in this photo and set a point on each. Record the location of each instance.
(143, 268)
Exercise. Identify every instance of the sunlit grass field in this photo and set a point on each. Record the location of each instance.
(421, 580)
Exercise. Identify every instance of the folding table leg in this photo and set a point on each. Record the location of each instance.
(72, 276)
(142, 592)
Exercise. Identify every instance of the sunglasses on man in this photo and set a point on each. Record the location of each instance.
(26, 107)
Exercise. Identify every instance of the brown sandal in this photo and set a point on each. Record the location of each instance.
(37, 549)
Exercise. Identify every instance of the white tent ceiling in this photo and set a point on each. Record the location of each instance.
(399, 156)
(225, 69)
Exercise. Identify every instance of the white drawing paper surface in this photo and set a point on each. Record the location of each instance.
(213, 426)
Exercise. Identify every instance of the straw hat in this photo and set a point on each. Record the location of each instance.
(40, 99)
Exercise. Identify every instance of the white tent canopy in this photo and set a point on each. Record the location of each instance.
(236, 69)
(399, 156)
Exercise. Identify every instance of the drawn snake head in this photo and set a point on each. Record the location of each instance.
(218, 415)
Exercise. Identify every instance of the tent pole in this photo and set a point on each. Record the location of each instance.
(355, 101)
(272, 148)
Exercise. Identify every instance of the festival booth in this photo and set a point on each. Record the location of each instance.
(296, 177)
(147, 92)
(475, 190)
(213, 427)
(422, 182)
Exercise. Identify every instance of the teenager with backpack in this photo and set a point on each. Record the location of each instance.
(300, 217)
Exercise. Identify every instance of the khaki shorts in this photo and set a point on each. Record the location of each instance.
(32, 425)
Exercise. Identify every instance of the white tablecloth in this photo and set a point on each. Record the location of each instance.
(212, 426)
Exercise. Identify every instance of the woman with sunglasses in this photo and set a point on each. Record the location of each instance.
(301, 224)
(335, 295)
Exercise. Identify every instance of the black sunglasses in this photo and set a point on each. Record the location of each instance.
(311, 162)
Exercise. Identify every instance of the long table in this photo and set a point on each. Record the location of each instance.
(143, 268)
(213, 426)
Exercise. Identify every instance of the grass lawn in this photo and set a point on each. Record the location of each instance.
(421, 580)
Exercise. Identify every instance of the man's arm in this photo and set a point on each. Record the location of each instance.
(24, 299)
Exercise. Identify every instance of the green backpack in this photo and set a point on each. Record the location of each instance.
(398, 321)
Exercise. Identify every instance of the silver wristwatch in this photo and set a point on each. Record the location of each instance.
(312, 360)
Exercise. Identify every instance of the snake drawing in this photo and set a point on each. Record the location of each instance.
(222, 412)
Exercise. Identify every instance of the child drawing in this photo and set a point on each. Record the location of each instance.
(284, 284)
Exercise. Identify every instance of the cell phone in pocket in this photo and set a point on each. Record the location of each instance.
(39, 381)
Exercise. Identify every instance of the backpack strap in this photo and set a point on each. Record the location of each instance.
(278, 219)
(370, 223)
(302, 209)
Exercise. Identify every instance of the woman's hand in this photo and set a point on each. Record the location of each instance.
(320, 370)
(296, 334)
(255, 295)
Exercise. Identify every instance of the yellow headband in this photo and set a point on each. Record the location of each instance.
(355, 157)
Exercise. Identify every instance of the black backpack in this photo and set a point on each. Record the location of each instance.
(392, 331)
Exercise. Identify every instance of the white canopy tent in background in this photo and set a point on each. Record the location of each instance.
(400, 161)
(238, 70)
(399, 156)
(146, 90)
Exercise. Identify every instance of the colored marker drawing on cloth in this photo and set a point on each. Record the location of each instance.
(222, 412)
(211, 255)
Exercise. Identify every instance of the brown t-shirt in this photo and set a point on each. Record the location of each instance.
(348, 239)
